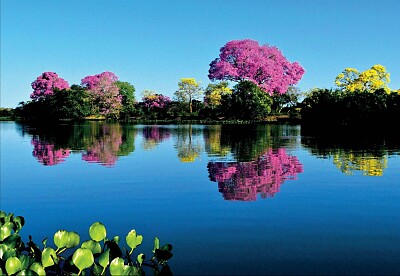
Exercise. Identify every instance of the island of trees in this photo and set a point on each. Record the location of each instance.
(263, 89)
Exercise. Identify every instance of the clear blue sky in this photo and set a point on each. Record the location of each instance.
(152, 44)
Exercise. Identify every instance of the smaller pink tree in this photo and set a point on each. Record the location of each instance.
(104, 93)
(45, 84)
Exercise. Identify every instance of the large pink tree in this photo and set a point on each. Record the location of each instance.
(45, 84)
(263, 65)
(106, 99)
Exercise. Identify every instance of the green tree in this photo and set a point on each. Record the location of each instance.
(73, 103)
(127, 91)
(189, 90)
(247, 101)
(288, 100)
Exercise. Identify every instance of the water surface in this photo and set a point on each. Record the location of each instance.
(232, 199)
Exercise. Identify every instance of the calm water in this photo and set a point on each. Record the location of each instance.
(266, 199)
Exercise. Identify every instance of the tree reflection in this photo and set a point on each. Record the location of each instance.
(47, 154)
(154, 135)
(355, 150)
(265, 175)
(187, 143)
(97, 142)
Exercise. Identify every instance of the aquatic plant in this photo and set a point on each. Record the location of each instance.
(99, 255)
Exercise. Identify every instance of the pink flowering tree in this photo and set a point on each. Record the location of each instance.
(264, 65)
(47, 154)
(155, 104)
(104, 93)
(46, 83)
(265, 175)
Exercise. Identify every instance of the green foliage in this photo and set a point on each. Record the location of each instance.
(127, 91)
(355, 108)
(28, 259)
(247, 101)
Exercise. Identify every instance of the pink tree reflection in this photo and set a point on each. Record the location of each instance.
(244, 180)
(105, 149)
(47, 154)
(154, 135)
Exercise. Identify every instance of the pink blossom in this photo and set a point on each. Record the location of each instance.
(263, 65)
(45, 84)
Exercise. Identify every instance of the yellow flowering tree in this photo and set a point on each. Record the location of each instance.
(351, 80)
(189, 90)
(214, 93)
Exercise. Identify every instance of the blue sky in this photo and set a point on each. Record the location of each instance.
(152, 44)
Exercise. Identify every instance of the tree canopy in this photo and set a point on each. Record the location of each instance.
(263, 65)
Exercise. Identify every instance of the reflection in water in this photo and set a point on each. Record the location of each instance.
(46, 153)
(105, 147)
(244, 180)
(370, 165)
(154, 135)
(188, 143)
(98, 142)
(364, 151)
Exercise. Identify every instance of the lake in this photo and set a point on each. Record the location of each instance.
(231, 199)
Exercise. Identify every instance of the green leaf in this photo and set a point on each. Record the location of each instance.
(97, 231)
(61, 238)
(73, 239)
(156, 244)
(130, 270)
(92, 246)
(104, 258)
(97, 270)
(10, 253)
(49, 256)
(13, 241)
(116, 239)
(5, 230)
(3, 214)
(133, 240)
(44, 242)
(167, 247)
(140, 258)
(26, 261)
(18, 223)
(13, 265)
(117, 266)
(9, 217)
(83, 258)
(3, 249)
(38, 268)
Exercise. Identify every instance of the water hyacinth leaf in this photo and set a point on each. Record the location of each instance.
(13, 265)
(13, 241)
(73, 239)
(5, 230)
(18, 223)
(61, 238)
(2, 214)
(116, 239)
(38, 268)
(9, 217)
(167, 247)
(133, 240)
(10, 253)
(26, 261)
(156, 244)
(97, 270)
(3, 249)
(140, 258)
(49, 257)
(44, 242)
(117, 266)
(104, 258)
(92, 246)
(97, 231)
(82, 258)
(130, 270)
